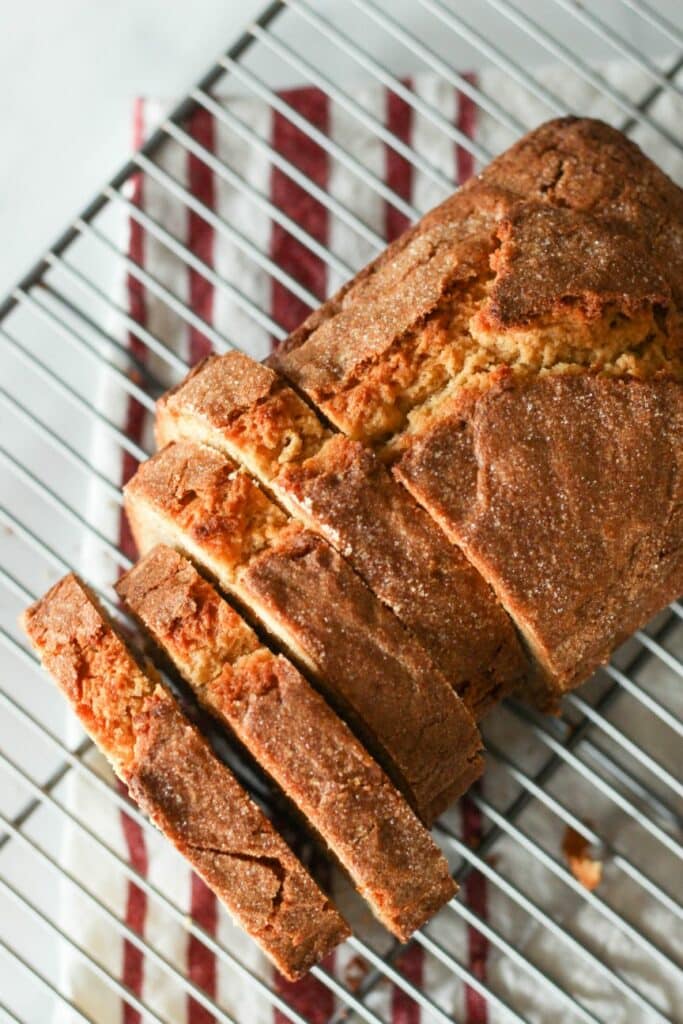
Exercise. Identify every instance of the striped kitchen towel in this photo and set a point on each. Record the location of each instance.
(251, 263)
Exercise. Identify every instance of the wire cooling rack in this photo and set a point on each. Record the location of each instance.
(605, 775)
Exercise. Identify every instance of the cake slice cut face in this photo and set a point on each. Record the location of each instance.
(296, 737)
(554, 275)
(340, 489)
(303, 593)
(174, 776)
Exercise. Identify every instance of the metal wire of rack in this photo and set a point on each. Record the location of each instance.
(618, 739)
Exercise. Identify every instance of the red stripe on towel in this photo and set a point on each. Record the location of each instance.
(136, 913)
(290, 254)
(309, 997)
(136, 900)
(476, 897)
(404, 1009)
(398, 170)
(466, 122)
(201, 962)
(200, 234)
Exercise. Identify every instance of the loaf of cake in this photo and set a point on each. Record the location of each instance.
(304, 594)
(295, 736)
(340, 489)
(174, 776)
(516, 359)
(460, 476)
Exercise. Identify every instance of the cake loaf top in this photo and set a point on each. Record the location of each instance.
(572, 230)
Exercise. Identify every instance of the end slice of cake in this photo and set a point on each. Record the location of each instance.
(174, 776)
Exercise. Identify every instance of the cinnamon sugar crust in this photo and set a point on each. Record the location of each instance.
(175, 777)
(304, 595)
(258, 418)
(572, 226)
(346, 494)
(557, 271)
(370, 669)
(295, 737)
(567, 494)
(341, 490)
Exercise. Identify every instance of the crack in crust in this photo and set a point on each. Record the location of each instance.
(569, 236)
(558, 270)
(342, 491)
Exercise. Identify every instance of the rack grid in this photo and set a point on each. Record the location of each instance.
(606, 771)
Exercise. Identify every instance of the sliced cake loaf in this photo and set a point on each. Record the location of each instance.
(175, 777)
(195, 499)
(341, 490)
(296, 737)
(517, 357)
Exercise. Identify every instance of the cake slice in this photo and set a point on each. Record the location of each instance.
(341, 490)
(540, 303)
(174, 776)
(296, 737)
(193, 498)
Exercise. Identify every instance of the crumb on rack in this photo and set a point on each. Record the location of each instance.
(585, 867)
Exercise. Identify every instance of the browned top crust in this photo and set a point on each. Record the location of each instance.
(307, 597)
(389, 854)
(185, 615)
(571, 223)
(567, 493)
(550, 255)
(341, 490)
(178, 781)
(395, 546)
(208, 497)
(248, 405)
(383, 682)
(225, 386)
(295, 736)
(95, 671)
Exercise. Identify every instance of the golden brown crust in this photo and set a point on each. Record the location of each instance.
(567, 493)
(550, 256)
(349, 496)
(201, 808)
(342, 491)
(570, 223)
(178, 781)
(208, 498)
(296, 738)
(185, 615)
(385, 345)
(94, 670)
(328, 620)
(563, 259)
(370, 667)
(249, 406)
(349, 800)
